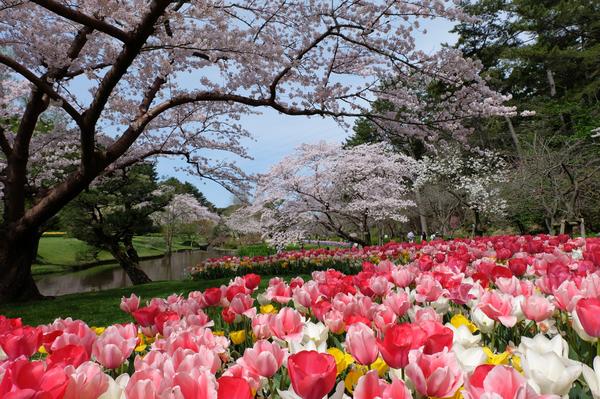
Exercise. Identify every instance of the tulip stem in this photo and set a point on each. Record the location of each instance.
(598, 348)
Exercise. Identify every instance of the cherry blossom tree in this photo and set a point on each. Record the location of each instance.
(326, 188)
(172, 78)
(473, 177)
(183, 209)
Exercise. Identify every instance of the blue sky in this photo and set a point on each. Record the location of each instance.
(277, 135)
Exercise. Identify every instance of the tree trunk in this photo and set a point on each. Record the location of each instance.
(422, 218)
(17, 254)
(513, 135)
(129, 261)
(477, 231)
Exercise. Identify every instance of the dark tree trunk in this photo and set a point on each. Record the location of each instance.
(129, 261)
(17, 254)
(477, 231)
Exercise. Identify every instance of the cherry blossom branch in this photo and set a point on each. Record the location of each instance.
(84, 19)
(42, 85)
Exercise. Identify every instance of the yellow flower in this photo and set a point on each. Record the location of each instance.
(268, 308)
(496, 359)
(237, 337)
(516, 363)
(98, 330)
(41, 349)
(342, 359)
(380, 366)
(141, 347)
(459, 320)
(219, 333)
(353, 376)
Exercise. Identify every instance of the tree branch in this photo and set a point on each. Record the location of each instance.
(83, 19)
(42, 85)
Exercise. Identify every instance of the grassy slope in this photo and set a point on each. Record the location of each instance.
(98, 308)
(58, 254)
(102, 308)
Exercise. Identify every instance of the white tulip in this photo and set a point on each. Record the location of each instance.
(469, 358)
(116, 388)
(463, 337)
(541, 344)
(592, 377)
(549, 373)
(484, 323)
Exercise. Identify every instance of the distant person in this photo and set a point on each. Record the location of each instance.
(411, 236)
(432, 237)
(423, 236)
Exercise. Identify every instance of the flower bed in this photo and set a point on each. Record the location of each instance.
(346, 260)
(494, 318)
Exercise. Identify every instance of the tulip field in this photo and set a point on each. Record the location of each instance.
(506, 317)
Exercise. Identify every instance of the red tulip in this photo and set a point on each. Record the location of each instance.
(312, 374)
(161, 318)
(23, 341)
(588, 310)
(251, 280)
(233, 387)
(145, 316)
(212, 296)
(68, 355)
(25, 379)
(399, 339)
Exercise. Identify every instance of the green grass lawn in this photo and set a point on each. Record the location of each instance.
(62, 254)
(102, 308)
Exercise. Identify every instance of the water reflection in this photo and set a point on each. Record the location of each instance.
(104, 277)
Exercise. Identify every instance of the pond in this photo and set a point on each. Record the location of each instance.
(109, 276)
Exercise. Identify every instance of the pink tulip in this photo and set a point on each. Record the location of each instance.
(537, 308)
(196, 384)
(25, 379)
(114, 346)
(588, 310)
(361, 343)
(72, 332)
(312, 374)
(131, 304)
(436, 375)
(286, 324)
(260, 326)
(380, 285)
(243, 304)
(499, 382)
(334, 320)
(144, 384)
(371, 387)
(402, 277)
(428, 289)
(397, 302)
(87, 381)
(566, 296)
(498, 307)
(264, 358)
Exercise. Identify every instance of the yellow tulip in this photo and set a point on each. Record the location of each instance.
(268, 308)
(459, 320)
(237, 337)
(353, 376)
(342, 359)
(98, 330)
(496, 359)
(219, 333)
(380, 366)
